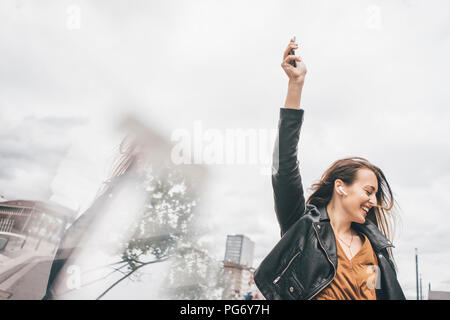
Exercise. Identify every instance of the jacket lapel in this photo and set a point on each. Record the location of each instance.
(376, 237)
(327, 240)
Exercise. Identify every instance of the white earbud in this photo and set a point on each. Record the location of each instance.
(342, 190)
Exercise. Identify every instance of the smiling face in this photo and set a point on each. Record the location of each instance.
(361, 195)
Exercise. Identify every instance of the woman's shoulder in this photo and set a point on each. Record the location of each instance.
(311, 214)
(312, 210)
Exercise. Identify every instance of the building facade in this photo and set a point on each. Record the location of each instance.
(30, 232)
(238, 268)
(438, 295)
(239, 250)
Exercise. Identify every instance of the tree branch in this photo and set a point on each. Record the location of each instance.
(129, 274)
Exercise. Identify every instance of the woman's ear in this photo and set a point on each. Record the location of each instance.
(339, 184)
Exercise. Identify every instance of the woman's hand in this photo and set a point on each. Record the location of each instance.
(296, 77)
(295, 74)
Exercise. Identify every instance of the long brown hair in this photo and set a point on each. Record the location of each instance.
(140, 148)
(382, 215)
(128, 154)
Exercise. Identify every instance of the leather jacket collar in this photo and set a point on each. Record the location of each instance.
(376, 237)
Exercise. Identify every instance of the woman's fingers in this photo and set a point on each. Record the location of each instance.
(291, 46)
(297, 72)
(291, 57)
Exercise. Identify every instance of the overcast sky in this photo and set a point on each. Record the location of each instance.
(377, 87)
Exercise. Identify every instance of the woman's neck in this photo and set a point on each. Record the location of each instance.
(339, 223)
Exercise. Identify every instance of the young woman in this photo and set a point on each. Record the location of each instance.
(334, 246)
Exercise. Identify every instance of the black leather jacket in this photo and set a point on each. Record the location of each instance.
(305, 260)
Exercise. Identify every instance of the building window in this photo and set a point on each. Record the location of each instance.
(6, 224)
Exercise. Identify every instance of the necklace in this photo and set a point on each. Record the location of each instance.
(348, 245)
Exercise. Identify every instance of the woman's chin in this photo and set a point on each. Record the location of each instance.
(360, 219)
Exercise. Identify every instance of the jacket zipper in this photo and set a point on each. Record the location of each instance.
(284, 270)
(334, 268)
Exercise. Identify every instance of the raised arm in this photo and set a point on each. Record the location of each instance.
(286, 179)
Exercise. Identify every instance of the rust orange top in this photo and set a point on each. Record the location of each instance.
(356, 278)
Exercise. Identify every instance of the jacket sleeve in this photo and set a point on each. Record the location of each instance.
(286, 179)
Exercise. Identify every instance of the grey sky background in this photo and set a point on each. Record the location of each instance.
(376, 87)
